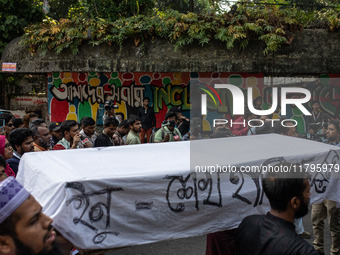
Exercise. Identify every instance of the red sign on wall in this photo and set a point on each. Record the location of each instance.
(9, 67)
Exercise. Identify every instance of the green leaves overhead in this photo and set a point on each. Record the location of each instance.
(271, 24)
(15, 16)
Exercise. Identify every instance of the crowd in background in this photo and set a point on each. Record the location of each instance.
(32, 133)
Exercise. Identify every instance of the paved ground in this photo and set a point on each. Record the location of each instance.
(194, 245)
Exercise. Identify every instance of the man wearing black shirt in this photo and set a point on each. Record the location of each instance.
(105, 138)
(274, 233)
(148, 119)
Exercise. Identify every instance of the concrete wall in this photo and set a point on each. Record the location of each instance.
(312, 52)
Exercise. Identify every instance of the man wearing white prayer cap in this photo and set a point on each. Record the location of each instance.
(24, 229)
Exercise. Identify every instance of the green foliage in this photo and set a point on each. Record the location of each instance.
(334, 20)
(273, 25)
(110, 10)
(15, 16)
(184, 6)
(60, 8)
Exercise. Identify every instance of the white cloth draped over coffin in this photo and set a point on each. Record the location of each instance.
(109, 197)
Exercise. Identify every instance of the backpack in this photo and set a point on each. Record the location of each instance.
(152, 137)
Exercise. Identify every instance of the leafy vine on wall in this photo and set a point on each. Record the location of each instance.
(271, 25)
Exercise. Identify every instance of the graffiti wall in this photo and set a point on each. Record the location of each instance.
(76, 95)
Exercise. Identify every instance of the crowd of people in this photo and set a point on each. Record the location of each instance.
(31, 133)
(283, 224)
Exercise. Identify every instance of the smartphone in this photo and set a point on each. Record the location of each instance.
(85, 140)
(176, 137)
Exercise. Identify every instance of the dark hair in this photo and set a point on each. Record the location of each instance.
(7, 227)
(265, 129)
(66, 126)
(257, 98)
(33, 115)
(170, 114)
(17, 122)
(314, 102)
(146, 98)
(281, 187)
(111, 121)
(38, 112)
(270, 116)
(124, 124)
(18, 136)
(174, 109)
(279, 129)
(3, 161)
(36, 122)
(335, 123)
(121, 114)
(87, 121)
(133, 119)
(27, 117)
(6, 116)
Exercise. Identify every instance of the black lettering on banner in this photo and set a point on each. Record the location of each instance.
(321, 179)
(234, 179)
(96, 212)
(186, 192)
(213, 185)
(182, 193)
(208, 182)
(143, 206)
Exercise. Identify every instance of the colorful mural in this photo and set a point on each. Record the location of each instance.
(76, 95)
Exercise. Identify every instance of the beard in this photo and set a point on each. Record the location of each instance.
(22, 249)
(303, 210)
(44, 144)
(56, 250)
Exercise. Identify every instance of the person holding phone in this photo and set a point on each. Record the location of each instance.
(88, 133)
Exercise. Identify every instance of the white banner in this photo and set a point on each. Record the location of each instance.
(109, 197)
